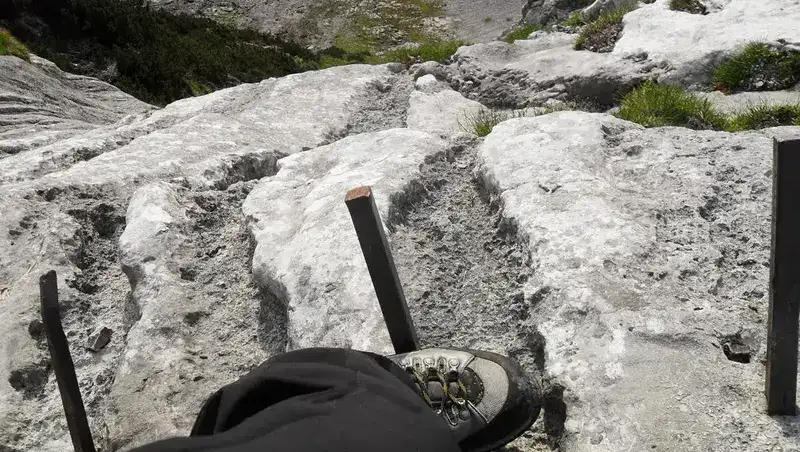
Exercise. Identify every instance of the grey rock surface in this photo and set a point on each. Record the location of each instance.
(651, 252)
(623, 267)
(190, 136)
(543, 12)
(200, 153)
(600, 7)
(42, 104)
(435, 108)
(327, 287)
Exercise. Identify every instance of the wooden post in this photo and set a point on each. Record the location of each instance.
(63, 366)
(380, 264)
(784, 290)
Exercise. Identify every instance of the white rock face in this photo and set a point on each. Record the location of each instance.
(42, 104)
(68, 216)
(435, 108)
(651, 250)
(694, 44)
(306, 248)
(190, 136)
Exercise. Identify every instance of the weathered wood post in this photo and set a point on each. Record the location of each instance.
(63, 367)
(784, 281)
(382, 271)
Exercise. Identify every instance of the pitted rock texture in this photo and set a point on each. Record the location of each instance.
(625, 268)
(302, 207)
(72, 218)
(652, 248)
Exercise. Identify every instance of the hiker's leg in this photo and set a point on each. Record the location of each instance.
(318, 399)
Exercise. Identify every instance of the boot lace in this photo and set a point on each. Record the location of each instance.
(442, 389)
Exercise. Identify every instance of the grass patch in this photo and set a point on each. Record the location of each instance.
(327, 61)
(689, 6)
(521, 32)
(481, 122)
(199, 89)
(602, 33)
(758, 68)
(435, 50)
(574, 20)
(487, 19)
(10, 46)
(654, 105)
(763, 116)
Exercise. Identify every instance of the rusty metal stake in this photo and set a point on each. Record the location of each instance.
(380, 264)
(63, 366)
(784, 281)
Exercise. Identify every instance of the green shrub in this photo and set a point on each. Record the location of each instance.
(481, 122)
(199, 89)
(758, 68)
(521, 32)
(156, 54)
(432, 50)
(602, 34)
(10, 46)
(763, 116)
(654, 105)
(689, 6)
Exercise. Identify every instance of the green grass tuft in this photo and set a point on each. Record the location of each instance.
(574, 20)
(327, 61)
(758, 68)
(487, 19)
(482, 122)
(602, 33)
(763, 116)
(521, 32)
(654, 105)
(10, 46)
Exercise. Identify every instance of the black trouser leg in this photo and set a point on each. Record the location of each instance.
(319, 399)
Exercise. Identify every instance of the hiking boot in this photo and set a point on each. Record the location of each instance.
(487, 399)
